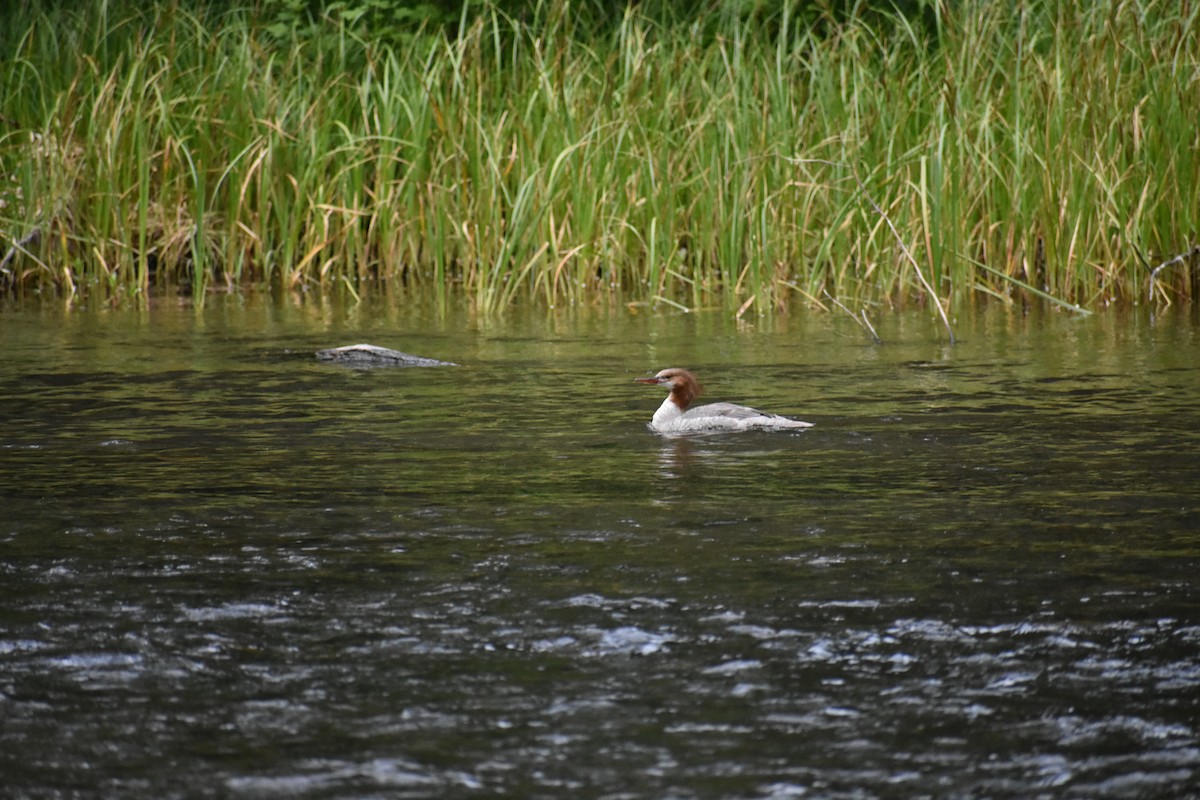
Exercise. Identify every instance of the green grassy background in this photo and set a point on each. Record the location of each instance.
(745, 161)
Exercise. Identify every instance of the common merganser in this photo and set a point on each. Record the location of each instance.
(673, 416)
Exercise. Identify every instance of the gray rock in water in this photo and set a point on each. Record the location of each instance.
(369, 355)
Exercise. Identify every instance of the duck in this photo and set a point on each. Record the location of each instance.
(675, 416)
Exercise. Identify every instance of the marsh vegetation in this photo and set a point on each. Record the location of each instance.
(742, 161)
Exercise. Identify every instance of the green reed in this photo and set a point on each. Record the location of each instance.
(1045, 152)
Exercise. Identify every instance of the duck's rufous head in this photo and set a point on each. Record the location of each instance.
(683, 384)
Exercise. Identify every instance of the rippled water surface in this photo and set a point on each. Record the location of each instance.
(228, 570)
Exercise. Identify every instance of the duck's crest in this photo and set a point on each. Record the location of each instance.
(684, 387)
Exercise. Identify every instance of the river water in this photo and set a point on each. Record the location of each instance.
(230, 571)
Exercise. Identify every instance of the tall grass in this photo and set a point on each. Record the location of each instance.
(1044, 150)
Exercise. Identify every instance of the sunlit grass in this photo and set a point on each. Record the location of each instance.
(1045, 152)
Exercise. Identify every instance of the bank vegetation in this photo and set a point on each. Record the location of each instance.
(1036, 152)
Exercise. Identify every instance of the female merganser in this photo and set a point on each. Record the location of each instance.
(673, 415)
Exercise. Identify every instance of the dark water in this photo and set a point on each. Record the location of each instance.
(227, 570)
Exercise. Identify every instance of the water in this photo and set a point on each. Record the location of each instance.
(227, 570)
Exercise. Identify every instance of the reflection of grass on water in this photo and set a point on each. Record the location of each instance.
(1049, 150)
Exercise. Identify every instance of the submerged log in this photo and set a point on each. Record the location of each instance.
(369, 355)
